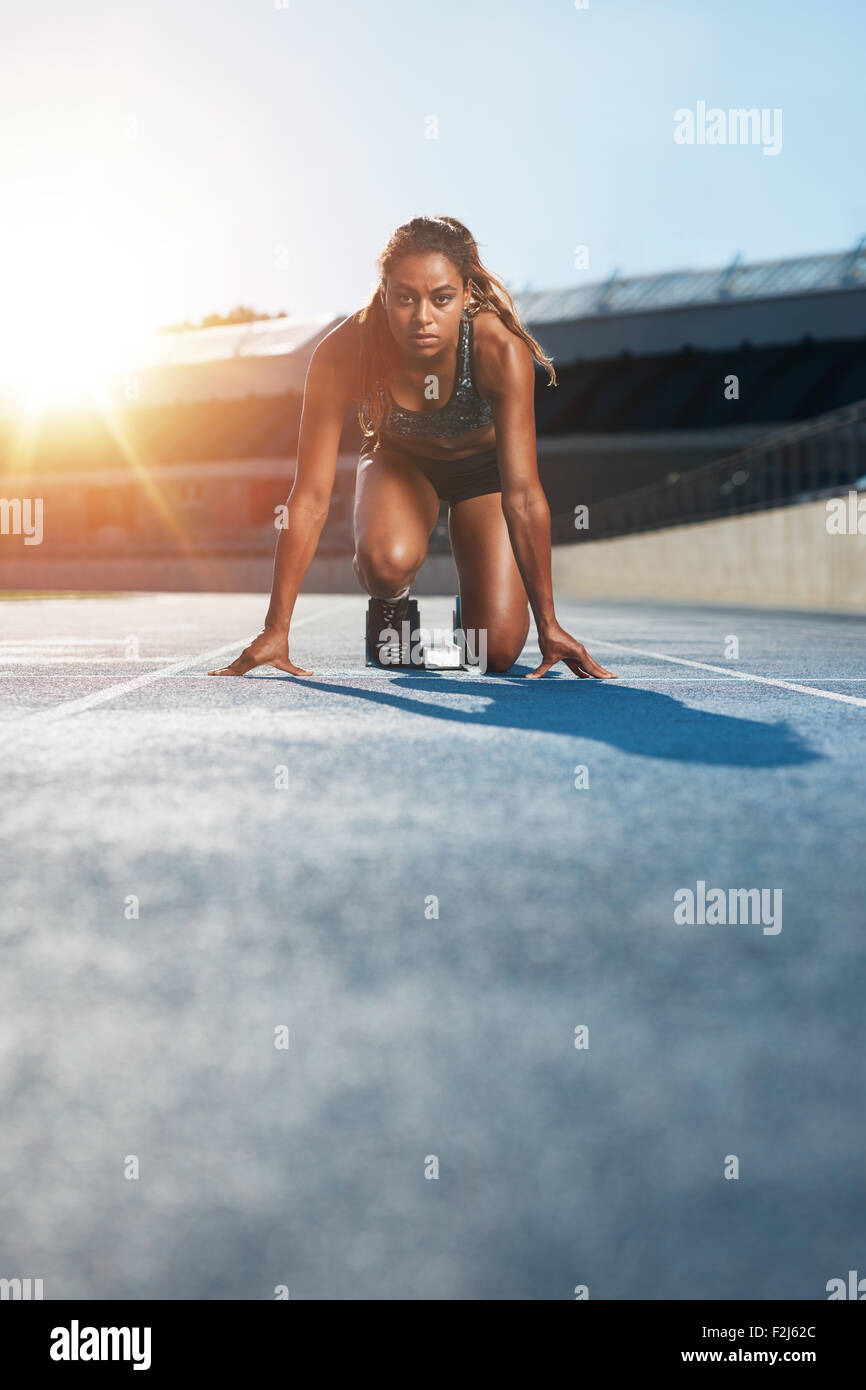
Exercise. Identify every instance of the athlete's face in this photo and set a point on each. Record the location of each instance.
(424, 299)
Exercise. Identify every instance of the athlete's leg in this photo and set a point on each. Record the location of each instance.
(396, 508)
(492, 593)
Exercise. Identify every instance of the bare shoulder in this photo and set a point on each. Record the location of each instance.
(334, 363)
(502, 358)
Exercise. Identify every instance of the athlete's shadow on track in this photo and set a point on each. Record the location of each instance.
(645, 722)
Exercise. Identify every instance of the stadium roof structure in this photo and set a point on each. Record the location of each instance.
(279, 337)
(267, 357)
(843, 270)
(270, 356)
(283, 337)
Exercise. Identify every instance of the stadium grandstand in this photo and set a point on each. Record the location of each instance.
(659, 376)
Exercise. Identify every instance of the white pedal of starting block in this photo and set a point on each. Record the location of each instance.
(447, 657)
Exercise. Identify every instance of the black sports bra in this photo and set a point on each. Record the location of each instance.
(464, 411)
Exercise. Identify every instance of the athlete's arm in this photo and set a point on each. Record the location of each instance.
(509, 369)
(326, 394)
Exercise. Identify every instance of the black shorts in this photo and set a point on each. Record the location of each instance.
(455, 480)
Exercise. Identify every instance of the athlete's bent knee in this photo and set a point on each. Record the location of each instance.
(501, 655)
(386, 569)
(499, 661)
(505, 645)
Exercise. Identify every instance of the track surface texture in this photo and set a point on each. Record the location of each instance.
(174, 914)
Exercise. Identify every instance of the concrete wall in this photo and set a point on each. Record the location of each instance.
(782, 558)
(776, 559)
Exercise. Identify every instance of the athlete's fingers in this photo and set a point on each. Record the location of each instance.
(584, 667)
(584, 664)
(237, 668)
(599, 671)
(245, 664)
(291, 668)
(587, 668)
(540, 670)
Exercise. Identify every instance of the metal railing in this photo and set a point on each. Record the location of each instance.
(798, 464)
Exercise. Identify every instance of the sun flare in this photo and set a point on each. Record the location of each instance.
(77, 308)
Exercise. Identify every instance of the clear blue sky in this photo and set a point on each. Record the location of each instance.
(209, 132)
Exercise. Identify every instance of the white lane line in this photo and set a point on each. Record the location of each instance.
(100, 697)
(737, 675)
(351, 674)
(63, 642)
(84, 660)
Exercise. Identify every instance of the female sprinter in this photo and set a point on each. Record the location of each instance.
(439, 328)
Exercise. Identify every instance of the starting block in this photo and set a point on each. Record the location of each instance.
(446, 656)
(436, 656)
(411, 625)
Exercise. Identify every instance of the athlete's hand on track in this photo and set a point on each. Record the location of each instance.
(270, 648)
(557, 645)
